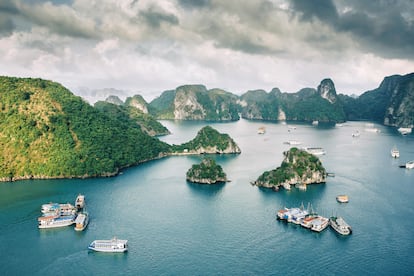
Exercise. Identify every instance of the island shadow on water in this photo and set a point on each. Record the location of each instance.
(206, 190)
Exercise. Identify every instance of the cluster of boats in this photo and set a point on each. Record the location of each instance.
(313, 221)
(59, 215)
(395, 153)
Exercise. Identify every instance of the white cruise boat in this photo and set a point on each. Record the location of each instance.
(410, 164)
(81, 221)
(55, 221)
(80, 201)
(315, 150)
(404, 130)
(340, 226)
(65, 209)
(292, 142)
(319, 224)
(113, 245)
(395, 153)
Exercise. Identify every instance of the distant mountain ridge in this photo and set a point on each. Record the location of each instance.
(392, 103)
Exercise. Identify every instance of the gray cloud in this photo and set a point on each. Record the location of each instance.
(385, 27)
(194, 3)
(155, 18)
(158, 45)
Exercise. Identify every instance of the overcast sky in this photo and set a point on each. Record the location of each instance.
(148, 46)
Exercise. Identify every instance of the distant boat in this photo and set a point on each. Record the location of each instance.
(113, 245)
(404, 130)
(315, 123)
(80, 201)
(81, 221)
(342, 198)
(261, 130)
(356, 133)
(340, 226)
(395, 153)
(410, 164)
(315, 150)
(370, 128)
(292, 142)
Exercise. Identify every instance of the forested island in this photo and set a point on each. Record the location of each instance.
(47, 132)
(207, 172)
(298, 167)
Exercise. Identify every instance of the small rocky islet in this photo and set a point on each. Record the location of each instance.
(298, 167)
(207, 172)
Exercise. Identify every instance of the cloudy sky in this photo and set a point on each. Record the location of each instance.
(149, 46)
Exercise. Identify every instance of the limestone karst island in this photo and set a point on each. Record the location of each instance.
(298, 168)
(207, 172)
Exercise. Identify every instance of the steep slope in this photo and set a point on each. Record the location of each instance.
(195, 102)
(309, 104)
(47, 132)
(125, 112)
(260, 105)
(392, 103)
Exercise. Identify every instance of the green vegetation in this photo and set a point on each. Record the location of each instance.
(208, 171)
(129, 113)
(261, 105)
(308, 106)
(297, 164)
(208, 140)
(163, 106)
(46, 131)
(195, 102)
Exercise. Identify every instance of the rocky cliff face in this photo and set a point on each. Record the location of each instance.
(186, 104)
(138, 102)
(195, 102)
(400, 110)
(326, 90)
(392, 103)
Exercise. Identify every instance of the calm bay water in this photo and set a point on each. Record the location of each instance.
(179, 228)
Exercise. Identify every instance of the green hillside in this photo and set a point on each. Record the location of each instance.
(47, 132)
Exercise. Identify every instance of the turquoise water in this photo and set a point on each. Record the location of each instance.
(179, 228)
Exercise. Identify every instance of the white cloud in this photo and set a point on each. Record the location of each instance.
(158, 45)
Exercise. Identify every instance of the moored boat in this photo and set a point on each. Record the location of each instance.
(261, 130)
(340, 226)
(65, 209)
(319, 224)
(342, 198)
(395, 153)
(410, 164)
(113, 245)
(81, 221)
(55, 221)
(292, 142)
(404, 130)
(308, 220)
(356, 133)
(315, 150)
(80, 201)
